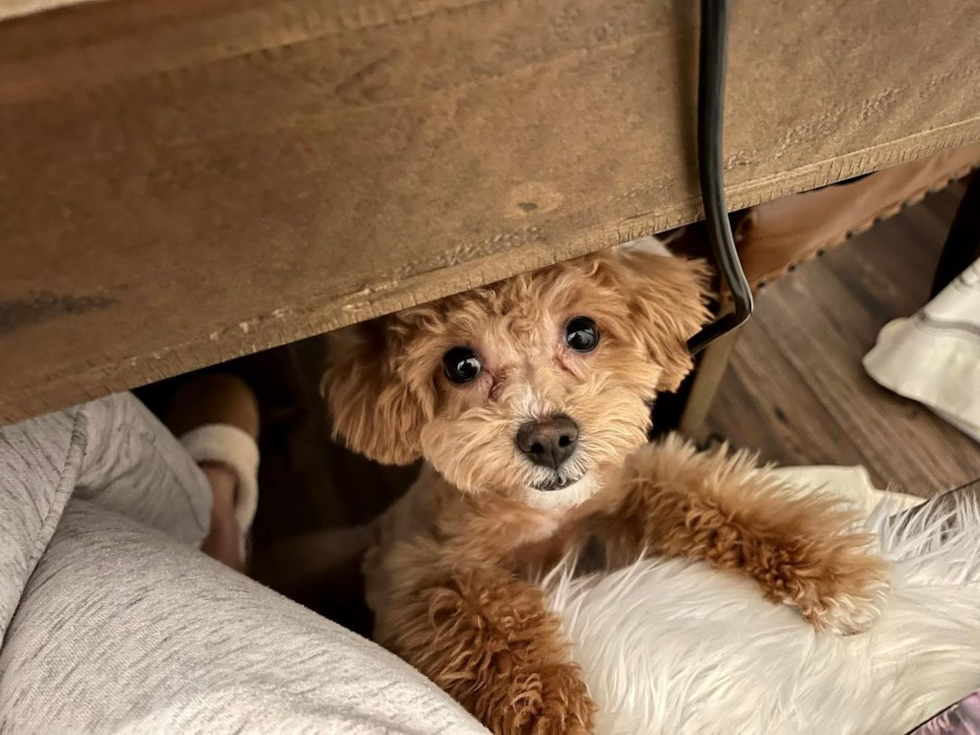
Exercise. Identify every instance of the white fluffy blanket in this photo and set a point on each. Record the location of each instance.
(670, 646)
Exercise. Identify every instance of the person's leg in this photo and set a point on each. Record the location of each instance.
(124, 625)
(39, 460)
(112, 452)
(216, 418)
(223, 541)
(194, 479)
(133, 465)
(125, 628)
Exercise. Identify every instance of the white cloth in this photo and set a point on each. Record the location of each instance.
(934, 356)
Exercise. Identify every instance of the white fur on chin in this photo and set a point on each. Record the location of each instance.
(567, 497)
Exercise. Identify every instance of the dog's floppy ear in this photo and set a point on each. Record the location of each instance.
(668, 305)
(374, 410)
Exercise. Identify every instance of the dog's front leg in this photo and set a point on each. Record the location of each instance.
(487, 639)
(735, 515)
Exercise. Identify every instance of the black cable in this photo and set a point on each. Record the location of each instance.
(711, 102)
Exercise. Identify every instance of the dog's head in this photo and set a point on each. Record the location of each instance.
(531, 387)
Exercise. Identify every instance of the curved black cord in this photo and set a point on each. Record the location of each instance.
(711, 99)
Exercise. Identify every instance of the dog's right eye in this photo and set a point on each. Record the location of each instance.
(461, 364)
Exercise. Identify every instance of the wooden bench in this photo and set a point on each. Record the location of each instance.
(186, 181)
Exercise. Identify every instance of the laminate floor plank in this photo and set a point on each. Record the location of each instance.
(796, 390)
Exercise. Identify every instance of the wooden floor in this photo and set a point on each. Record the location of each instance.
(796, 390)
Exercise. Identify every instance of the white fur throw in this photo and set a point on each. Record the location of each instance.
(669, 646)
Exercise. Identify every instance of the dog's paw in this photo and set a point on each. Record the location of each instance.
(562, 705)
(847, 592)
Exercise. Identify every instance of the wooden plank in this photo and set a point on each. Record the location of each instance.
(185, 181)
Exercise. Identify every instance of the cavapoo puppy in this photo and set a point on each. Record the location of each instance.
(529, 401)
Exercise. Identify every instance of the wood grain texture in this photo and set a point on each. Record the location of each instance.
(796, 389)
(186, 181)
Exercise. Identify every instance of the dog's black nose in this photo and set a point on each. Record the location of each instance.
(548, 442)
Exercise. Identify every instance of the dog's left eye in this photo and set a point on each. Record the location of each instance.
(461, 364)
(581, 334)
